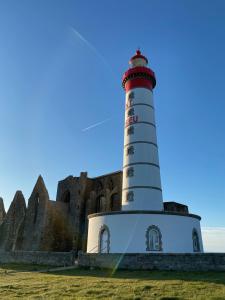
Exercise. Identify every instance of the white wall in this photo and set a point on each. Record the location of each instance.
(128, 232)
(142, 132)
(143, 152)
(148, 199)
(143, 95)
(145, 113)
(146, 175)
(144, 161)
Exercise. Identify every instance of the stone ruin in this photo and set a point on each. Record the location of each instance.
(61, 225)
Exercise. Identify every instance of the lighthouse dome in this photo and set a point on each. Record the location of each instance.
(138, 60)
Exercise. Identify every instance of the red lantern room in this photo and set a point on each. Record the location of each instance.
(138, 75)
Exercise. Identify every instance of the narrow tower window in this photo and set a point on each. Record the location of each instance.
(130, 112)
(130, 130)
(115, 202)
(130, 172)
(153, 239)
(99, 203)
(36, 206)
(130, 150)
(131, 95)
(195, 239)
(130, 196)
(66, 199)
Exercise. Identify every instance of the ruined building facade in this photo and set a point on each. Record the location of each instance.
(62, 225)
(59, 225)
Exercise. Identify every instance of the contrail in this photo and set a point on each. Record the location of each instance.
(96, 124)
(90, 46)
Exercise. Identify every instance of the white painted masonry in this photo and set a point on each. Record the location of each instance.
(128, 232)
(142, 225)
(145, 182)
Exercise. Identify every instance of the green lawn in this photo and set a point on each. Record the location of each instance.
(20, 281)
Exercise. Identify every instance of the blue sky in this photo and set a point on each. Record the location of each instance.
(61, 67)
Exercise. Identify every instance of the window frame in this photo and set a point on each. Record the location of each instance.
(130, 172)
(131, 95)
(131, 195)
(101, 231)
(130, 130)
(147, 235)
(131, 149)
(195, 235)
(130, 112)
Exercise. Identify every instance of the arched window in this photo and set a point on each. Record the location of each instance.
(99, 203)
(104, 240)
(130, 196)
(130, 150)
(130, 130)
(130, 112)
(130, 172)
(66, 197)
(131, 95)
(36, 205)
(153, 239)
(195, 239)
(115, 202)
(130, 99)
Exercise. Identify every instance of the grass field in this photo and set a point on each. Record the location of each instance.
(25, 282)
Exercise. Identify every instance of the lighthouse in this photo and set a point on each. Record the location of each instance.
(145, 224)
(141, 173)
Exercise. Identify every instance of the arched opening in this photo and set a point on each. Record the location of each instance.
(195, 239)
(66, 197)
(153, 239)
(98, 206)
(104, 240)
(115, 202)
(36, 205)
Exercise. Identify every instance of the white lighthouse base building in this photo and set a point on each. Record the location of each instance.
(144, 232)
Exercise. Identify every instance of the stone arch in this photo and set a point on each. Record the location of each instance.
(104, 239)
(115, 202)
(153, 238)
(195, 240)
(36, 206)
(99, 203)
(66, 197)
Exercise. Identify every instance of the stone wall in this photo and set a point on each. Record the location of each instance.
(174, 262)
(38, 258)
(155, 261)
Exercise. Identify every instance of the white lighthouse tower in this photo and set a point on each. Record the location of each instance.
(145, 223)
(141, 173)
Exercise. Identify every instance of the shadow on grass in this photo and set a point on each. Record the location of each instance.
(211, 276)
(22, 267)
(215, 277)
